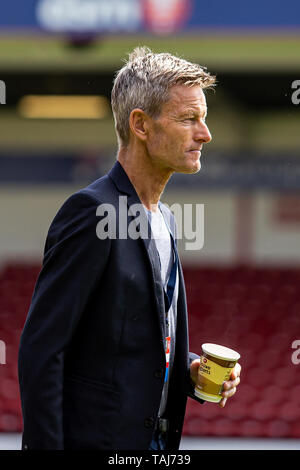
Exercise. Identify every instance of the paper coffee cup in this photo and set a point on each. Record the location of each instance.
(216, 364)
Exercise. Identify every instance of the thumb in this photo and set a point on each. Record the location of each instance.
(194, 370)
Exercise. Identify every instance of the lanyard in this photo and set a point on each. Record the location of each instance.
(169, 291)
(168, 296)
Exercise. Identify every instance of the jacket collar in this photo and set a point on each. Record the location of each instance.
(121, 180)
(124, 185)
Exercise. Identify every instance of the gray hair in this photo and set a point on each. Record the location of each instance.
(144, 82)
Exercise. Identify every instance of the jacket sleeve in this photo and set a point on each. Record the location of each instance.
(191, 392)
(74, 260)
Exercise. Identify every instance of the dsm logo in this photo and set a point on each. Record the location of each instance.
(2, 92)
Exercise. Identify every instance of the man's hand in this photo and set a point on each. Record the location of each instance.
(229, 387)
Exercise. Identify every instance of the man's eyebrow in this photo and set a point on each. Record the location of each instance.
(194, 111)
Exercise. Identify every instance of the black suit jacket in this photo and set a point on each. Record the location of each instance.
(91, 358)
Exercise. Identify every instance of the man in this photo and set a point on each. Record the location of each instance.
(104, 360)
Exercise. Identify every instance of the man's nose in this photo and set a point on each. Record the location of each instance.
(202, 134)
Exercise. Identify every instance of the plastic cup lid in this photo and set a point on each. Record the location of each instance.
(220, 352)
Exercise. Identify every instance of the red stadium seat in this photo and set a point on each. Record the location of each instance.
(295, 430)
(251, 428)
(278, 428)
(289, 410)
(225, 427)
(10, 422)
(263, 411)
(192, 427)
(259, 314)
(273, 394)
(253, 310)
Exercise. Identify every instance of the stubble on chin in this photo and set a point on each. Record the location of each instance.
(190, 169)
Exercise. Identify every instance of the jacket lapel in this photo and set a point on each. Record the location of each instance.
(123, 184)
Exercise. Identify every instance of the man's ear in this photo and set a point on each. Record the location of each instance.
(138, 122)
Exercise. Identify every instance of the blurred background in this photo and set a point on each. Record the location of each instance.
(57, 63)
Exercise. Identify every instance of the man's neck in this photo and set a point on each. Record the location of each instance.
(148, 181)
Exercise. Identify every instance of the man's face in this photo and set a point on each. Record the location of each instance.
(176, 137)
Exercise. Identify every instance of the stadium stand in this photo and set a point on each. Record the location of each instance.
(253, 310)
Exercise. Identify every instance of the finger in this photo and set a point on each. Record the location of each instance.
(228, 393)
(194, 370)
(222, 403)
(195, 364)
(231, 392)
(231, 384)
(236, 371)
(234, 383)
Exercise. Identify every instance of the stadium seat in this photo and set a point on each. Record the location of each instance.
(278, 428)
(256, 311)
(253, 310)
